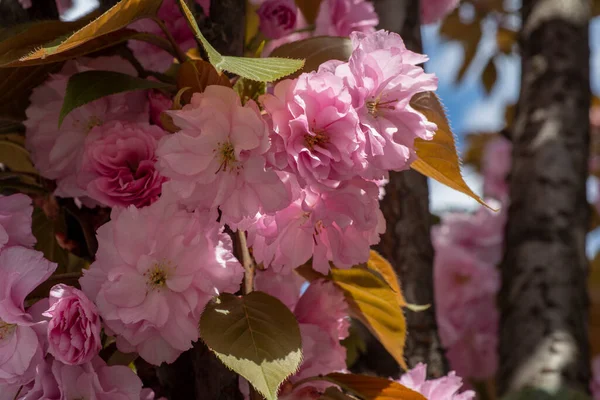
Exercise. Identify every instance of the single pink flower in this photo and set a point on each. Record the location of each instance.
(318, 127)
(117, 167)
(277, 17)
(15, 221)
(495, 168)
(338, 226)
(21, 271)
(434, 10)
(383, 76)
(342, 17)
(74, 327)
(63, 6)
(154, 58)
(444, 388)
(217, 158)
(158, 103)
(155, 270)
(56, 151)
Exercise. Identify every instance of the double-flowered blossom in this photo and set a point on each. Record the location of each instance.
(21, 337)
(74, 326)
(337, 226)
(155, 270)
(217, 158)
(467, 249)
(444, 388)
(56, 152)
(342, 17)
(382, 77)
(277, 17)
(117, 167)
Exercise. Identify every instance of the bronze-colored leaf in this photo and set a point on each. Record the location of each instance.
(197, 75)
(374, 388)
(505, 39)
(310, 9)
(438, 158)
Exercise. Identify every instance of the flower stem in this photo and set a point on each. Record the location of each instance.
(181, 56)
(248, 263)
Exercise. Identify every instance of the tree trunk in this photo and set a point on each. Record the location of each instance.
(198, 374)
(543, 300)
(407, 241)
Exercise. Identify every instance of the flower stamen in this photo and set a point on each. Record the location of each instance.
(318, 139)
(158, 274)
(6, 329)
(375, 105)
(227, 156)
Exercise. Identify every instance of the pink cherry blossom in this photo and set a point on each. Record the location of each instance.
(595, 383)
(63, 6)
(277, 17)
(155, 270)
(216, 159)
(318, 127)
(56, 152)
(158, 103)
(21, 271)
(444, 388)
(383, 76)
(480, 234)
(74, 327)
(342, 17)
(155, 58)
(338, 226)
(92, 380)
(285, 287)
(15, 221)
(495, 168)
(26, 4)
(117, 167)
(467, 249)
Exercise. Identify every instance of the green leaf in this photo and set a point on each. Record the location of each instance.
(258, 69)
(88, 86)
(316, 51)
(14, 155)
(374, 388)
(256, 336)
(249, 90)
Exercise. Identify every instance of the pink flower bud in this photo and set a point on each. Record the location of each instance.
(277, 18)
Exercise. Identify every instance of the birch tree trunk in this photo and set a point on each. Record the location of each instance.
(543, 300)
(407, 241)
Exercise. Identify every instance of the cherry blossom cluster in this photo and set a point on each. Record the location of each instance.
(50, 349)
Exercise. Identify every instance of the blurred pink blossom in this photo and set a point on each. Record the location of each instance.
(342, 17)
(496, 167)
(444, 388)
(595, 382)
(158, 103)
(277, 17)
(56, 151)
(155, 270)
(217, 158)
(117, 167)
(15, 221)
(74, 327)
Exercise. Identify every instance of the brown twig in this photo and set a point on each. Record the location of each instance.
(181, 56)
